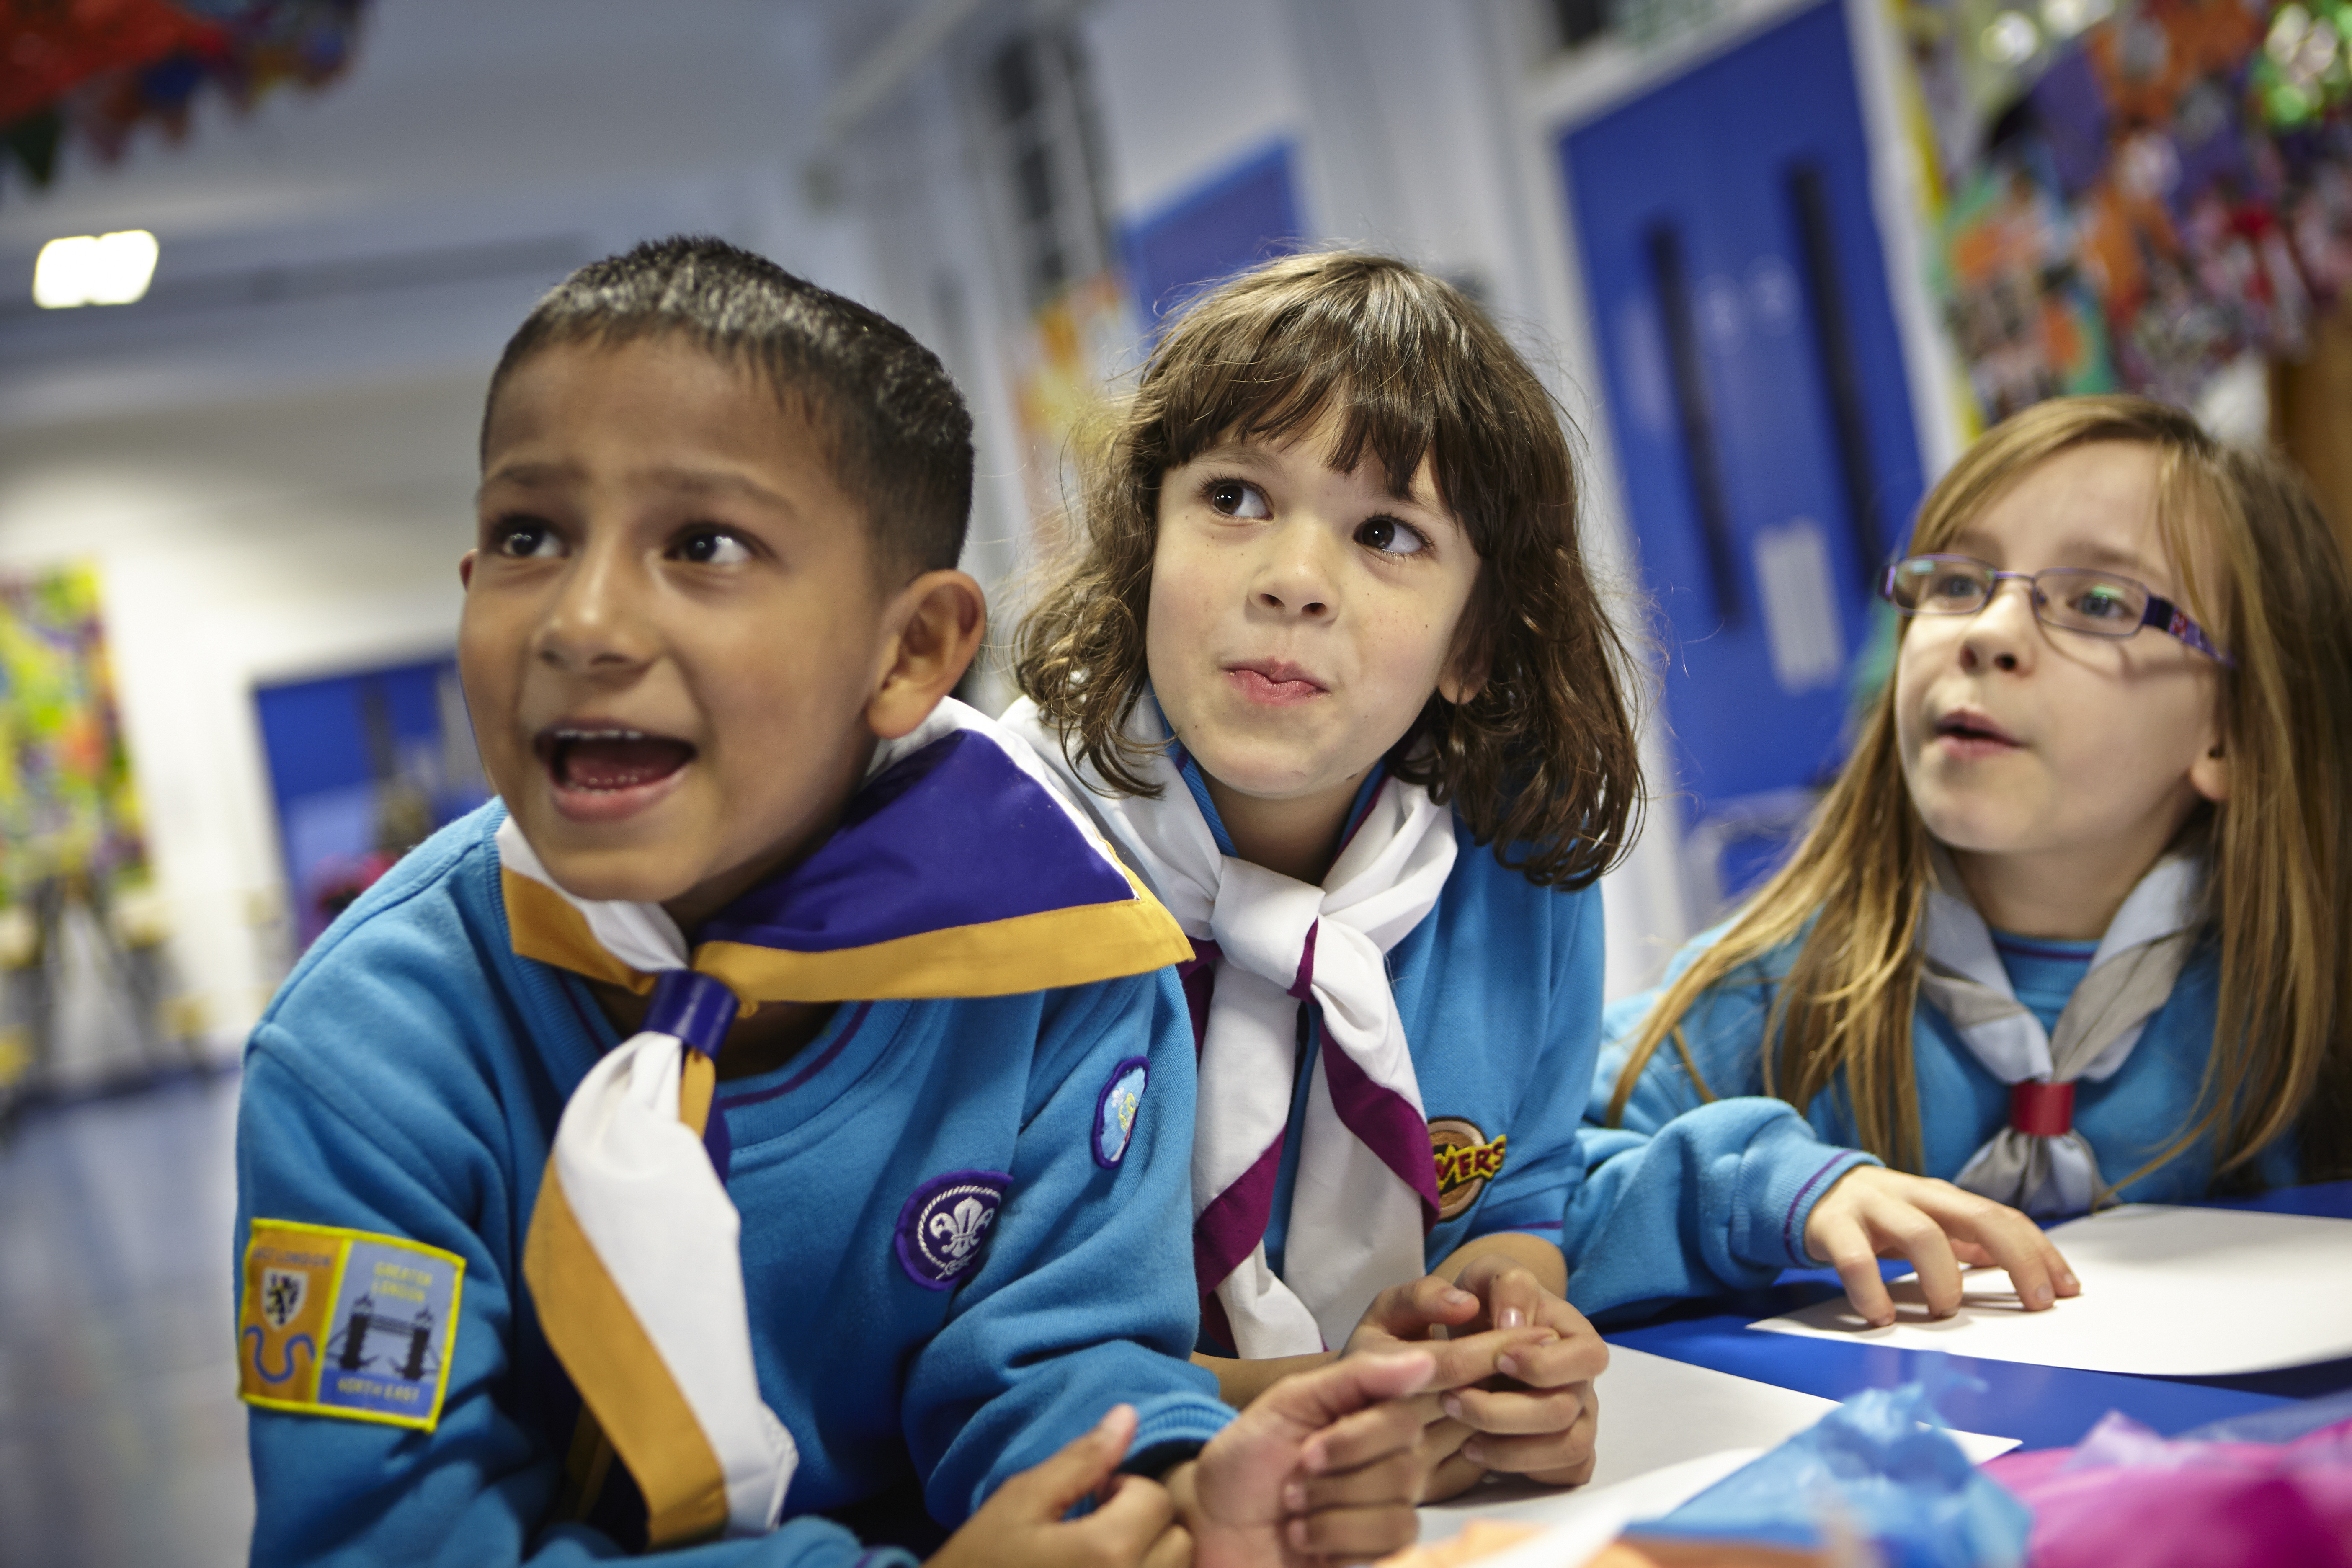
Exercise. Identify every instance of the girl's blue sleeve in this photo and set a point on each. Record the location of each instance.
(1086, 1298)
(1545, 1161)
(471, 1490)
(1690, 1195)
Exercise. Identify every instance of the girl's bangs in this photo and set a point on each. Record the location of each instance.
(1391, 392)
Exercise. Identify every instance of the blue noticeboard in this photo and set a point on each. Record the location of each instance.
(1230, 221)
(360, 767)
(1756, 392)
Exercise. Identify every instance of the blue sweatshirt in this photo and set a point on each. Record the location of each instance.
(407, 1083)
(1692, 1198)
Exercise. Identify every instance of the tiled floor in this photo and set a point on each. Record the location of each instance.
(120, 1438)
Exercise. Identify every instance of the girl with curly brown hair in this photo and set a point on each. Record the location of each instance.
(1329, 669)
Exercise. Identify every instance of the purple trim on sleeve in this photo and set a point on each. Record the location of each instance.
(1792, 1244)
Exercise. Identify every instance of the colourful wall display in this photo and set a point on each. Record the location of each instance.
(2132, 195)
(98, 70)
(66, 806)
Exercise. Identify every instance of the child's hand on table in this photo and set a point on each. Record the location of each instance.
(1871, 1214)
(1320, 1466)
(1133, 1525)
(1514, 1385)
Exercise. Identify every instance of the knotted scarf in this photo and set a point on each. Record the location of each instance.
(2039, 1163)
(1366, 1190)
(957, 871)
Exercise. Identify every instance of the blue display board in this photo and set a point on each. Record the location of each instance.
(362, 766)
(1754, 388)
(1240, 216)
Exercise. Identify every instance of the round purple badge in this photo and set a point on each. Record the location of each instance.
(944, 1225)
(1115, 1109)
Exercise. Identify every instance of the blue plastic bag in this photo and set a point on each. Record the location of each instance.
(1879, 1468)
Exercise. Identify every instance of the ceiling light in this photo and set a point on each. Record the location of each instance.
(94, 269)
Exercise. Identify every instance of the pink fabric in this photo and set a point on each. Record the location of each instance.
(2128, 1499)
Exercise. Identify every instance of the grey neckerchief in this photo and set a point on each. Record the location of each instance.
(2130, 976)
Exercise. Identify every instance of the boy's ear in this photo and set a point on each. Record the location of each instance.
(938, 619)
(466, 569)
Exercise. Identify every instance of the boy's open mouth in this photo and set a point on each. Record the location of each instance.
(606, 760)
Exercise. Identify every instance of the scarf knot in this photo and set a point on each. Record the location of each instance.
(1365, 1195)
(2041, 1163)
(698, 1008)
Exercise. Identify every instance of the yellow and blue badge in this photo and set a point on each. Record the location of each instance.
(347, 1322)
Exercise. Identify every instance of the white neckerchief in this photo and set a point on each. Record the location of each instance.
(2131, 975)
(1366, 1188)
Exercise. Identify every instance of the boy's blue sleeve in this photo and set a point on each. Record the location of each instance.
(1689, 1196)
(474, 1489)
(1087, 1297)
(1545, 1161)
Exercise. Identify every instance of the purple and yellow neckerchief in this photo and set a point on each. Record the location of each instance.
(957, 871)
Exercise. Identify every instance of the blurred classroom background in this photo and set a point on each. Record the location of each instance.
(1780, 257)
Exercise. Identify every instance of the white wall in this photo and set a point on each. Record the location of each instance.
(244, 543)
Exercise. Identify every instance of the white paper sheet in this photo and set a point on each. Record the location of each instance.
(1668, 1431)
(2166, 1292)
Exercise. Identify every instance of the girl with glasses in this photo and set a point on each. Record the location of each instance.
(2068, 928)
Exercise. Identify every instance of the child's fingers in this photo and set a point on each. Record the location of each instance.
(2008, 1241)
(1314, 1400)
(1451, 1477)
(1356, 1440)
(1559, 1460)
(1516, 1414)
(1050, 1489)
(1514, 1298)
(1473, 1357)
(1847, 1248)
(1136, 1513)
(1172, 1550)
(1914, 1233)
(1409, 1312)
(1571, 1358)
(1354, 1534)
(1396, 1478)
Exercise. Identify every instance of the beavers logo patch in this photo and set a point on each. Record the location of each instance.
(1465, 1162)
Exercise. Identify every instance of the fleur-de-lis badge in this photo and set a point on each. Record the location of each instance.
(943, 1230)
(959, 1229)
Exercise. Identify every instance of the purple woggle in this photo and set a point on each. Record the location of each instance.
(698, 1008)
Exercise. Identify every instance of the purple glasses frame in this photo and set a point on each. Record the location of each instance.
(2161, 613)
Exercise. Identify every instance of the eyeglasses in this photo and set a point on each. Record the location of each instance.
(2099, 603)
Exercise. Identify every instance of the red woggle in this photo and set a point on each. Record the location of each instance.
(2044, 1110)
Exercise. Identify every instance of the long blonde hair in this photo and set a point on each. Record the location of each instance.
(2278, 875)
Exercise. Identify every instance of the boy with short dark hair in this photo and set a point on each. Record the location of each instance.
(780, 1092)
